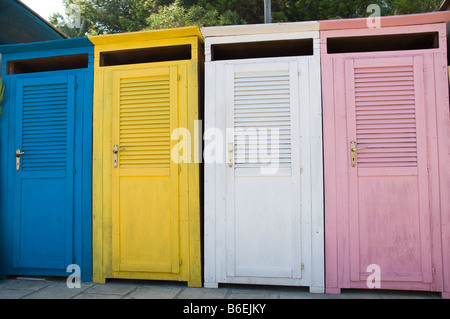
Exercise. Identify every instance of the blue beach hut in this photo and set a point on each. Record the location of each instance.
(45, 158)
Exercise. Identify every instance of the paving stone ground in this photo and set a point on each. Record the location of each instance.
(56, 288)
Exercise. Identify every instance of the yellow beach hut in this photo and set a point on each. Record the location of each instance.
(146, 178)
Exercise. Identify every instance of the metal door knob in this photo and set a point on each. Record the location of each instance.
(116, 149)
(17, 155)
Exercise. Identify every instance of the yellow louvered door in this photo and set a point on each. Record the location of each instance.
(145, 222)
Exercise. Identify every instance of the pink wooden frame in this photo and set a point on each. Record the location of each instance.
(389, 21)
(337, 250)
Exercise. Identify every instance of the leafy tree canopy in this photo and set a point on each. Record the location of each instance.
(116, 16)
(175, 15)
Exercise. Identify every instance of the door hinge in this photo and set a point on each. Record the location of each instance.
(73, 260)
(433, 270)
(302, 267)
(180, 262)
(178, 77)
(74, 171)
(179, 169)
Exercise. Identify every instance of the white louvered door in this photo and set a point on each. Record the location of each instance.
(263, 170)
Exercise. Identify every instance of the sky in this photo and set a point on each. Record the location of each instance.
(45, 7)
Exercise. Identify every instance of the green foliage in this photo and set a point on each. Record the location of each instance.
(408, 6)
(252, 11)
(116, 16)
(106, 16)
(175, 15)
(69, 26)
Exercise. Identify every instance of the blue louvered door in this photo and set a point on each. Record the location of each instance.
(43, 218)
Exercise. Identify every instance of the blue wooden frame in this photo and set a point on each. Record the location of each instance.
(82, 183)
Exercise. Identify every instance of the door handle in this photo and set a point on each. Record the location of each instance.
(357, 149)
(353, 150)
(116, 150)
(230, 155)
(17, 155)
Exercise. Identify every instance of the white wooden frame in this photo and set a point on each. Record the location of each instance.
(311, 154)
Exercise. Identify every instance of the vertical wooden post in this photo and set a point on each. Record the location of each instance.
(267, 12)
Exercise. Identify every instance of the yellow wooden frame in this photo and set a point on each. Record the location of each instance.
(188, 173)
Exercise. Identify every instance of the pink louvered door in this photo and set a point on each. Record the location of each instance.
(389, 217)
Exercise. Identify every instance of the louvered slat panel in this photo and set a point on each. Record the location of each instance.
(386, 117)
(44, 127)
(145, 122)
(262, 106)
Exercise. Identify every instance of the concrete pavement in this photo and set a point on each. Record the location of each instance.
(56, 288)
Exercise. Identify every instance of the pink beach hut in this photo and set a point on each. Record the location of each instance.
(386, 153)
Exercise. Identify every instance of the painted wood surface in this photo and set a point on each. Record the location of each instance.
(264, 228)
(146, 210)
(262, 29)
(256, 199)
(412, 20)
(46, 204)
(391, 209)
